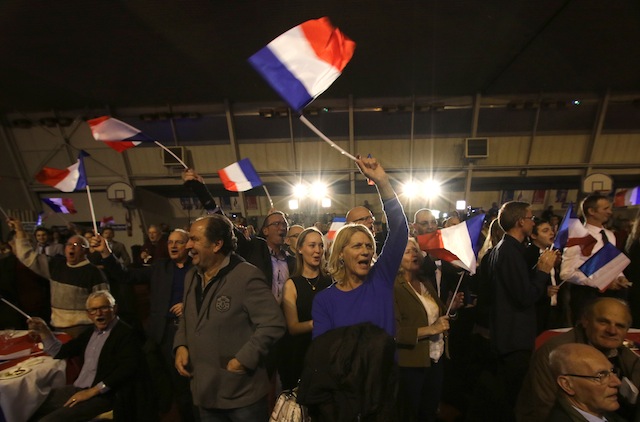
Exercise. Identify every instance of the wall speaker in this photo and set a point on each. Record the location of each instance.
(169, 160)
(476, 148)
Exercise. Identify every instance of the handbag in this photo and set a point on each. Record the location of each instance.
(287, 409)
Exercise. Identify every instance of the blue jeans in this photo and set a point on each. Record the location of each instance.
(256, 412)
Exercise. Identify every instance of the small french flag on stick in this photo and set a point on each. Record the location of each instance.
(60, 205)
(456, 244)
(71, 179)
(304, 61)
(240, 176)
(605, 266)
(336, 225)
(116, 134)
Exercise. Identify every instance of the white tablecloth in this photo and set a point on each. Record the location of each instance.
(20, 397)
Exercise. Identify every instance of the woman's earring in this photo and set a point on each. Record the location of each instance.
(341, 261)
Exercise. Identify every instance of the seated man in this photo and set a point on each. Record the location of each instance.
(588, 384)
(112, 360)
(604, 325)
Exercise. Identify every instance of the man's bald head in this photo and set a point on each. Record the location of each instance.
(361, 215)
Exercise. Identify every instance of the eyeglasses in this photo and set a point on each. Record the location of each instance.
(278, 224)
(601, 377)
(427, 223)
(102, 309)
(365, 219)
(75, 244)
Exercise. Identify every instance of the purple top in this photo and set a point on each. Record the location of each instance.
(373, 300)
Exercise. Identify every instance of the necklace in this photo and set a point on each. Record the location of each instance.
(315, 281)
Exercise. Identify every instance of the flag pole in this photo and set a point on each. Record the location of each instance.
(455, 293)
(15, 307)
(268, 196)
(172, 154)
(93, 214)
(5, 214)
(324, 137)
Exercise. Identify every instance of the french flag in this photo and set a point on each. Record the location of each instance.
(572, 232)
(336, 225)
(304, 61)
(627, 197)
(117, 134)
(60, 205)
(456, 244)
(240, 176)
(605, 266)
(67, 180)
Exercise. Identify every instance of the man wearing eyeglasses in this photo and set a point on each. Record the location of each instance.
(514, 290)
(113, 361)
(588, 385)
(604, 325)
(166, 281)
(72, 278)
(363, 215)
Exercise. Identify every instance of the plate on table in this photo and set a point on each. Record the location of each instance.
(14, 373)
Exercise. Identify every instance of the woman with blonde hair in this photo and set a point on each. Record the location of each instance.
(363, 292)
(309, 278)
(422, 323)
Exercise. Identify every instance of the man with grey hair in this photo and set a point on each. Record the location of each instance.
(230, 321)
(113, 362)
(588, 385)
(604, 325)
(72, 278)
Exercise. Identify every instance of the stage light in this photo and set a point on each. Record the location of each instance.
(410, 189)
(461, 205)
(293, 204)
(326, 202)
(431, 189)
(300, 190)
(319, 189)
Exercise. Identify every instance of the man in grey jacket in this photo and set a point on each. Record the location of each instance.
(230, 320)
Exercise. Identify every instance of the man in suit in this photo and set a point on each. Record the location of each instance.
(604, 325)
(166, 279)
(230, 321)
(112, 360)
(118, 249)
(588, 385)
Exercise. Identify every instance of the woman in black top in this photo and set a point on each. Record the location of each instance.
(299, 291)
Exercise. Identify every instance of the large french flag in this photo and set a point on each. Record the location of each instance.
(116, 133)
(572, 232)
(456, 244)
(60, 205)
(240, 176)
(605, 266)
(67, 180)
(304, 61)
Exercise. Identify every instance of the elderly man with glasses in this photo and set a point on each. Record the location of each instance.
(604, 325)
(113, 361)
(588, 385)
(72, 277)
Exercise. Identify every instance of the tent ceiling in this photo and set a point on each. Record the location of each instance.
(89, 53)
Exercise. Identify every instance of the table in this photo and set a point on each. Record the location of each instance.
(22, 394)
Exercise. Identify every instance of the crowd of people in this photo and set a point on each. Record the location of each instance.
(369, 327)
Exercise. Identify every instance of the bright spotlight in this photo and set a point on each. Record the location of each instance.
(410, 189)
(436, 213)
(461, 205)
(431, 188)
(326, 202)
(293, 204)
(300, 190)
(318, 189)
